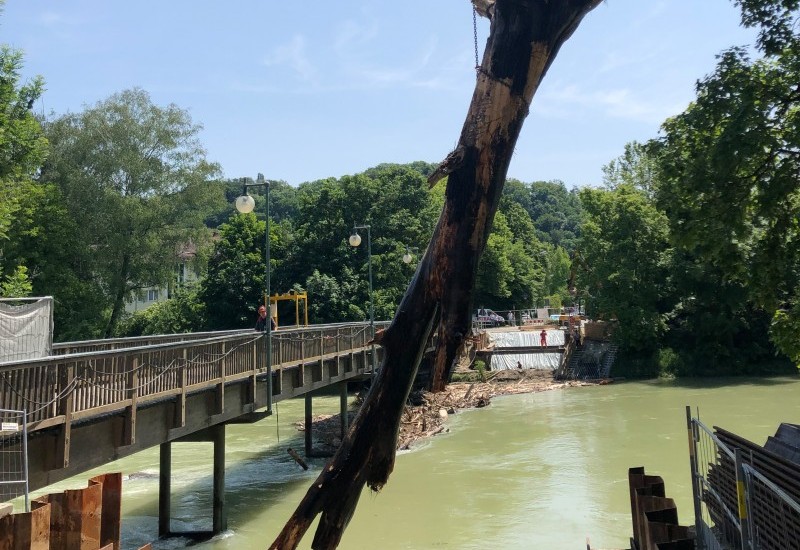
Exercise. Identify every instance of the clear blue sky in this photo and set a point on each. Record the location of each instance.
(308, 90)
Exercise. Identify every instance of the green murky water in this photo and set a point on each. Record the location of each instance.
(545, 470)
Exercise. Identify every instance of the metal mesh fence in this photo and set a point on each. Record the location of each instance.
(718, 526)
(774, 516)
(13, 456)
(744, 497)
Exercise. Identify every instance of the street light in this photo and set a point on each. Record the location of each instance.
(407, 257)
(245, 205)
(355, 240)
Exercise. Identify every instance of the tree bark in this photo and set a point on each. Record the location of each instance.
(524, 39)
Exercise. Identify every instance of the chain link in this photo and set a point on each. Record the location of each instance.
(475, 38)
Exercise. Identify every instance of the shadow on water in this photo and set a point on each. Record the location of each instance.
(255, 483)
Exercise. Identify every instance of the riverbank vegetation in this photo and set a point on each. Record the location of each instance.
(689, 245)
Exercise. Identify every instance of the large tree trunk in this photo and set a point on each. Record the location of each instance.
(524, 39)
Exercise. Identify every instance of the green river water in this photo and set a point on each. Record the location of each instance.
(536, 471)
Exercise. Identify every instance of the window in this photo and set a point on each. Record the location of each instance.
(152, 295)
(181, 273)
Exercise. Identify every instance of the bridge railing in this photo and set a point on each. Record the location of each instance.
(105, 344)
(74, 386)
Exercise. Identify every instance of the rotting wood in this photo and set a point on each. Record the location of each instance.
(297, 458)
(524, 39)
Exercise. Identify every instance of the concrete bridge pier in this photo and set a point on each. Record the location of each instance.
(309, 414)
(215, 435)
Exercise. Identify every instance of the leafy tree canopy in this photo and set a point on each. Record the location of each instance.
(22, 150)
(135, 180)
(625, 246)
(730, 164)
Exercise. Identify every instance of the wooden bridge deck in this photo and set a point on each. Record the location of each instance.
(95, 402)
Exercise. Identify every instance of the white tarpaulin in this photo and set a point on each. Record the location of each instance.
(503, 361)
(525, 338)
(25, 329)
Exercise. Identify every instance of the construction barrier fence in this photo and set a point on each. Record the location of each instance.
(744, 496)
(14, 455)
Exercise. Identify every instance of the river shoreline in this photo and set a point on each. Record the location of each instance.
(427, 413)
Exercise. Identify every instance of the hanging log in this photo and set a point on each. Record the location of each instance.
(524, 39)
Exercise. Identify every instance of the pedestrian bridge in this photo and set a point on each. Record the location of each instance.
(93, 402)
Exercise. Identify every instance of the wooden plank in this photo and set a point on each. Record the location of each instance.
(66, 377)
(180, 409)
(100, 410)
(46, 423)
(130, 410)
(220, 388)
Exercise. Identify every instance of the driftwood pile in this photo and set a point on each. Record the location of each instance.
(425, 415)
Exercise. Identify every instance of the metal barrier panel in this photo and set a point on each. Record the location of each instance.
(719, 525)
(774, 515)
(13, 456)
(742, 498)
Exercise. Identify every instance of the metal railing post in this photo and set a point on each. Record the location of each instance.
(698, 512)
(25, 459)
(741, 497)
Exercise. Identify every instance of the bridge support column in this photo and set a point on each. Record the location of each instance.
(216, 435)
(308, 423)
(220, 522)
(345, 421)
(164, 488)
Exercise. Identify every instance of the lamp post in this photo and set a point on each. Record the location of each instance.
(245, 205)
(355, 240)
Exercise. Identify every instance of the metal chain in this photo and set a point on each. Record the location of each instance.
(475, 37)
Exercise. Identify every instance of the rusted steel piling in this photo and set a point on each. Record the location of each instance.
(80, 519)
(654, 516)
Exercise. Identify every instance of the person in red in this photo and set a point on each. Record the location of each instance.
(543, 337)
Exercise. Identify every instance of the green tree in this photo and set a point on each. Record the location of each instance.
(331, 298)
(22, 143)
(16, 284)
(510, 273)
(730, 165)
(234, 285)
(394, 200)
(625, 246)
(557, 276)
(636, 167)
(556, 213)
(183, 312)
(22, 150)
(135, 180)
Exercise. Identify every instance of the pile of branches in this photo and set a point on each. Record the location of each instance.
(425, 414)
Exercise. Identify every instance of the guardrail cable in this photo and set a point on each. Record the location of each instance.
(42, 405)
